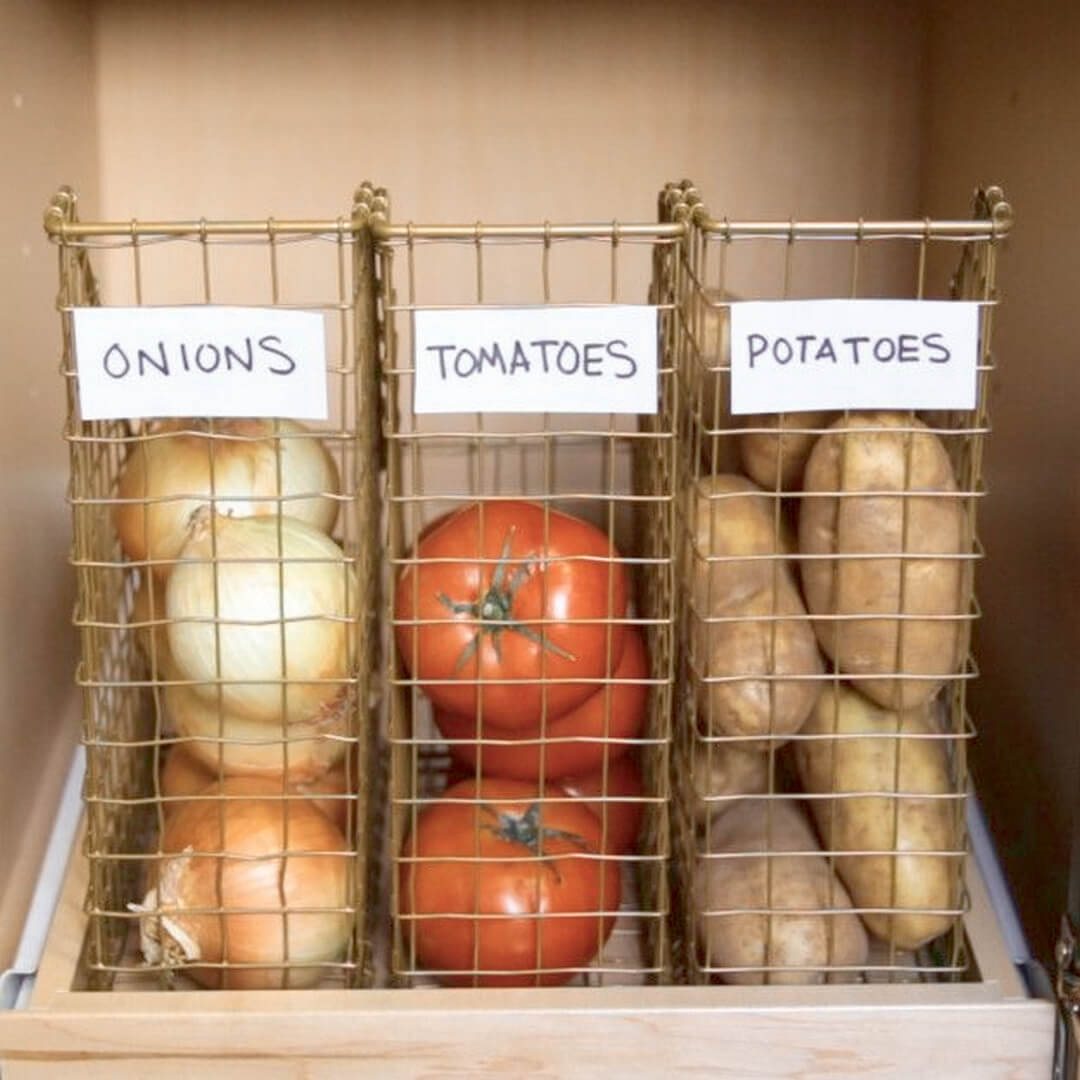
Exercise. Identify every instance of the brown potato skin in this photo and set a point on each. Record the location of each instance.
(847, 462)
(776, 460)
(755, 651)
(824, 933)
(884, 823)
(722, 771)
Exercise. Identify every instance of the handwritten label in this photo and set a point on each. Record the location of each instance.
(200, 360)
(796, 355)
(536, 359)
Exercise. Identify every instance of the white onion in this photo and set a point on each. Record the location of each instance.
(300, 751)
(183, 776)
(292, 592)
(169, 474)
(237, 888)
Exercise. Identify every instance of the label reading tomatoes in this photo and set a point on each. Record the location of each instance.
(540, 359)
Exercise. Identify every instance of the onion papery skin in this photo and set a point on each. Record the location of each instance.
(230, 889)
(166, 478)
(300, 590)
(298, 752)
(184, 776)
(151, 629)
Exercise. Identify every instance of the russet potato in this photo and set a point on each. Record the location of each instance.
(756, 661)
(723, 773)
(745, 875)
(903, 757)
(776, 459)
(849, 514)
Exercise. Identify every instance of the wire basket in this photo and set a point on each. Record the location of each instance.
(226, 799)
(514, 500)
(827, 563)
(708, 780)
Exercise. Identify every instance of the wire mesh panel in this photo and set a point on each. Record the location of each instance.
(530, 608)
(826, 561)
(226, 590)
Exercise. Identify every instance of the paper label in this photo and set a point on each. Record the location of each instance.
(200, 360)
(797, 355)
(536, 359)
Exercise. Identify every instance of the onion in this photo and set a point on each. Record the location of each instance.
(184, 776)
(148, 617)
(168, 475)
(238, 887)
(301, 751)
(282, 587)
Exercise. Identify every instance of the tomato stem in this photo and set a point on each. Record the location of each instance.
(494, 611)
(528, 830)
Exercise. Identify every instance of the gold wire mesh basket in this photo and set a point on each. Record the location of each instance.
(511, 502)
(226, 836)
(705, 800)
(826, 567)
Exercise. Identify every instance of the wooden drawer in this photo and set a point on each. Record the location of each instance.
(989, 1027)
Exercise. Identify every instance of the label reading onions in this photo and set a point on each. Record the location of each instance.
(200, 360)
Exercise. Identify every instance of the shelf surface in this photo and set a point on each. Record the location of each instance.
(982, 1029)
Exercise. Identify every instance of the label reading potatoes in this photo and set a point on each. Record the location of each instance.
(200, 360)
(536, 359)
(797, 355)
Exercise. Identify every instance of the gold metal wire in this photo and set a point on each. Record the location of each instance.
(400, 472)
(708, 444)
(618, 474)
(123, 670)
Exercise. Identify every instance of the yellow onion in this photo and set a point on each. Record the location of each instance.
(148, 617)
(180, 465)
(300, 751)
(183, 776)
(247, 591)
(253, 883)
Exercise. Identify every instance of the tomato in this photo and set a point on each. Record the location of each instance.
(506, 605)
(615, 800)
(619, 790)
(575, 742)
(539, 901)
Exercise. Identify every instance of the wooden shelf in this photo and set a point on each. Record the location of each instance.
(981, 1029)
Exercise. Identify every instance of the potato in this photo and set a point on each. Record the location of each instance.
(824, 934)
(751, 656)
(722, 771)
(885, 459)
(776, 459)
(885, 823)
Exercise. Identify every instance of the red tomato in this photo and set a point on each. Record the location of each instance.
(575, 742)
(538, 899)
(620, 791)
(614, 799)
(504, 632)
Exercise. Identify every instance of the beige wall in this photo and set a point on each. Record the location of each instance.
(1003, 105)
(46, 138)
(507, 111)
